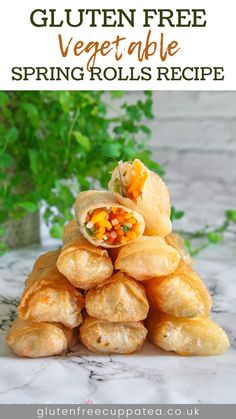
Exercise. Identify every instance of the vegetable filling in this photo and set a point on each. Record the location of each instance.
(131, 181)
(112, 226)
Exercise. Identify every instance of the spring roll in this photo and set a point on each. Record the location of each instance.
(105, 337)
(49, 297)
(176, 241)
(181, 294)
(119, 299)
(105, 222)
(83, 264)
(197, 336)
(139, 189)
(34, 340)
(146, 258)
(48, 258)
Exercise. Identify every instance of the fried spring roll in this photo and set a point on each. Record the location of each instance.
(105, 337)
(176, 241)
(181, 294)
(83, 264)
(139, 189)
(49, 296)
(198, 336)
(146, 258)
(105, 222)
(119, 299)
(34, 340)
(48, 258)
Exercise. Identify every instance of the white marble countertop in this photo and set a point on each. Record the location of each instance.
(151, 376)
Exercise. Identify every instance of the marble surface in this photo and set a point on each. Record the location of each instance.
(151, 376)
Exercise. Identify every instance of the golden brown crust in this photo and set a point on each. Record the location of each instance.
(73, 236)
(45, 290)
(104, 337)
(181, 294)
(46, 259)
(176, 241)
(33, 340)
(196, 336)
(146, 258)
(154, 204)
(90, 200)
(83, 264)
(71, 232)
(119, 299)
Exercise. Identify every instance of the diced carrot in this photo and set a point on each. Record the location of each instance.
(121, 219)
(113, 233)
(131, 235)
(96, 211)
(134, 185)
(128, 215)
(135, 228)
(122, 213)
(132, 221)
(137, 177)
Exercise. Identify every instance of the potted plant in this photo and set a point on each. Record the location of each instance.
(54, 144)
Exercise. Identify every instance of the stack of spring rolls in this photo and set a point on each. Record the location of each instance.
(120, 276)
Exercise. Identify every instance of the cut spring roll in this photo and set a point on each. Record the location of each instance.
(83, 264)
(105, 222)
(146, 258)
(34, 340)
(119, 299)
(138, 188)
(198, 336)
(105, 337)
(49, 296)
(176, 241)
(181, 294)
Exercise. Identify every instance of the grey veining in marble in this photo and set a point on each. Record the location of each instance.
(151, 376)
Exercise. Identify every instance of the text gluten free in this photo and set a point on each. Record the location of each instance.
(108, 18)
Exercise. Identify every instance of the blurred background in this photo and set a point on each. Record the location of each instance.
(194, 138)
(54, 144)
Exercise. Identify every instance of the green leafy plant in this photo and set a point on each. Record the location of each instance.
(210, 235)
(59, 142)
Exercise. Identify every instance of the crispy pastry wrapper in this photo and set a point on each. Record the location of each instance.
(119, 299)
(181, 294)
(176, 241)
(34, 340)
(91, 200)
(83, 264)
(196, 336)
(146, 258)
(153, 204)
(104, 337)
(49, 297)
(46, 259)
